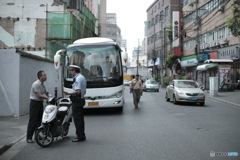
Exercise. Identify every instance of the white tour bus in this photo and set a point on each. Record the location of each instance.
(101, 64)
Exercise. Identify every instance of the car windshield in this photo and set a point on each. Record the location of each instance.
(186, 84)
(151, 82)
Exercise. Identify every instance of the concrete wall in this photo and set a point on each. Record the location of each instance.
(23, 24)
(18, 71)
(9, 82)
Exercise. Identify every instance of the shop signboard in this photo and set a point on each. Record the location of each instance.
(176, 28)
(203, 57)
(151, 62)
(213, 55)
(189, 61)
(224, 74)
(231, 52)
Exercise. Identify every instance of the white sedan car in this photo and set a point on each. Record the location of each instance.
(126, 82)
(184, 91)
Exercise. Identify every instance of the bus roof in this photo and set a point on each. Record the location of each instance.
(93, 41)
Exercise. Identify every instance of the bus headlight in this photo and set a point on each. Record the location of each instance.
(116, 95)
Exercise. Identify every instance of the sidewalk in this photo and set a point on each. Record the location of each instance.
(232, 98)
(13, 129)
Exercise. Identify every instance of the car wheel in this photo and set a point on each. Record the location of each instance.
(174, 99)
(202, 103)
(158, 90)
(166, 97)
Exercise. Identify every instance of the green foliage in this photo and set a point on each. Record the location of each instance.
(186, 77)
(183, 77)
(234, 22)
(170, 60)
(158, 79)
(170, 32)
(166, 80)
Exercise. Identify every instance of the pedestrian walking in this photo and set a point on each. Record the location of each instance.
(37, 94)
(78, 101)
(136, 89)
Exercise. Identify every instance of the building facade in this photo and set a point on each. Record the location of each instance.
(111, 18)
(159, 17)
(206, 36)
(43, 28)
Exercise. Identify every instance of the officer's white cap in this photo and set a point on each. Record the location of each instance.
(74, 66)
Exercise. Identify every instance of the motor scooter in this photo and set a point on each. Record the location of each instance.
(55, 121)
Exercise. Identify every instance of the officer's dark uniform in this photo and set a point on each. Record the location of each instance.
(78, 102)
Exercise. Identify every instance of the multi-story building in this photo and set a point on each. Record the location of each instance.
(136, 53)
(206, 36)
(111, 18)
(159, 17)
(102, 18)
(124, 44)
(43, 28)
(108, 24)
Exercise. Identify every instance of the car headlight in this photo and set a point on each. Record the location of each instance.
(180, 93)
(116, 95)
(49, 109)
(201, 94)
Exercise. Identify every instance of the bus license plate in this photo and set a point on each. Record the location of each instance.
(93, 103)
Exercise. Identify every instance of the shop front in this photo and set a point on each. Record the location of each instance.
(189, 65)
(214, 68)
(233, 53)
(153, 67)
(205, 71)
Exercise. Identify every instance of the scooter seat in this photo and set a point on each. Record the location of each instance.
(63, 109)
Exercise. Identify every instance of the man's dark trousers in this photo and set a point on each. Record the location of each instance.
(78, 117)
(35, 117)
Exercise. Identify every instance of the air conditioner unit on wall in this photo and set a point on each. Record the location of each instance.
(225, 41)
(191, 4)
(221, 8)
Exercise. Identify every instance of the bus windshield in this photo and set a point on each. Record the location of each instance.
(100, 65)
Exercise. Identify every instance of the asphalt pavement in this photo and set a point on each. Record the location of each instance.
(12, 129)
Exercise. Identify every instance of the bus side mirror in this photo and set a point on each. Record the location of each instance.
(57, 58)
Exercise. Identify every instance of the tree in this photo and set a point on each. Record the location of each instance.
(170, 32)
(170, 60)
(234, 22)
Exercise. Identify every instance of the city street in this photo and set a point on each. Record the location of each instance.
(158, 130)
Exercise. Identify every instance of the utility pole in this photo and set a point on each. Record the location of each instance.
(162, 49)
(198, 23)
(138, 57)
(154, 58)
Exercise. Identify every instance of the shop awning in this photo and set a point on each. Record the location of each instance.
(218, 61)
(204, 67)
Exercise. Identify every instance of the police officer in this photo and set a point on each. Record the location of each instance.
(37, 94)
(78, 101)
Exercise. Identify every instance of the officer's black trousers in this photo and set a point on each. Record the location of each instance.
(78, 117)
(35, 117)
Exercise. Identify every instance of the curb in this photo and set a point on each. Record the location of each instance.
(7, 146)
(224, 101)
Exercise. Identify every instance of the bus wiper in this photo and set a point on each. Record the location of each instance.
(102, 78)
(108, 80)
